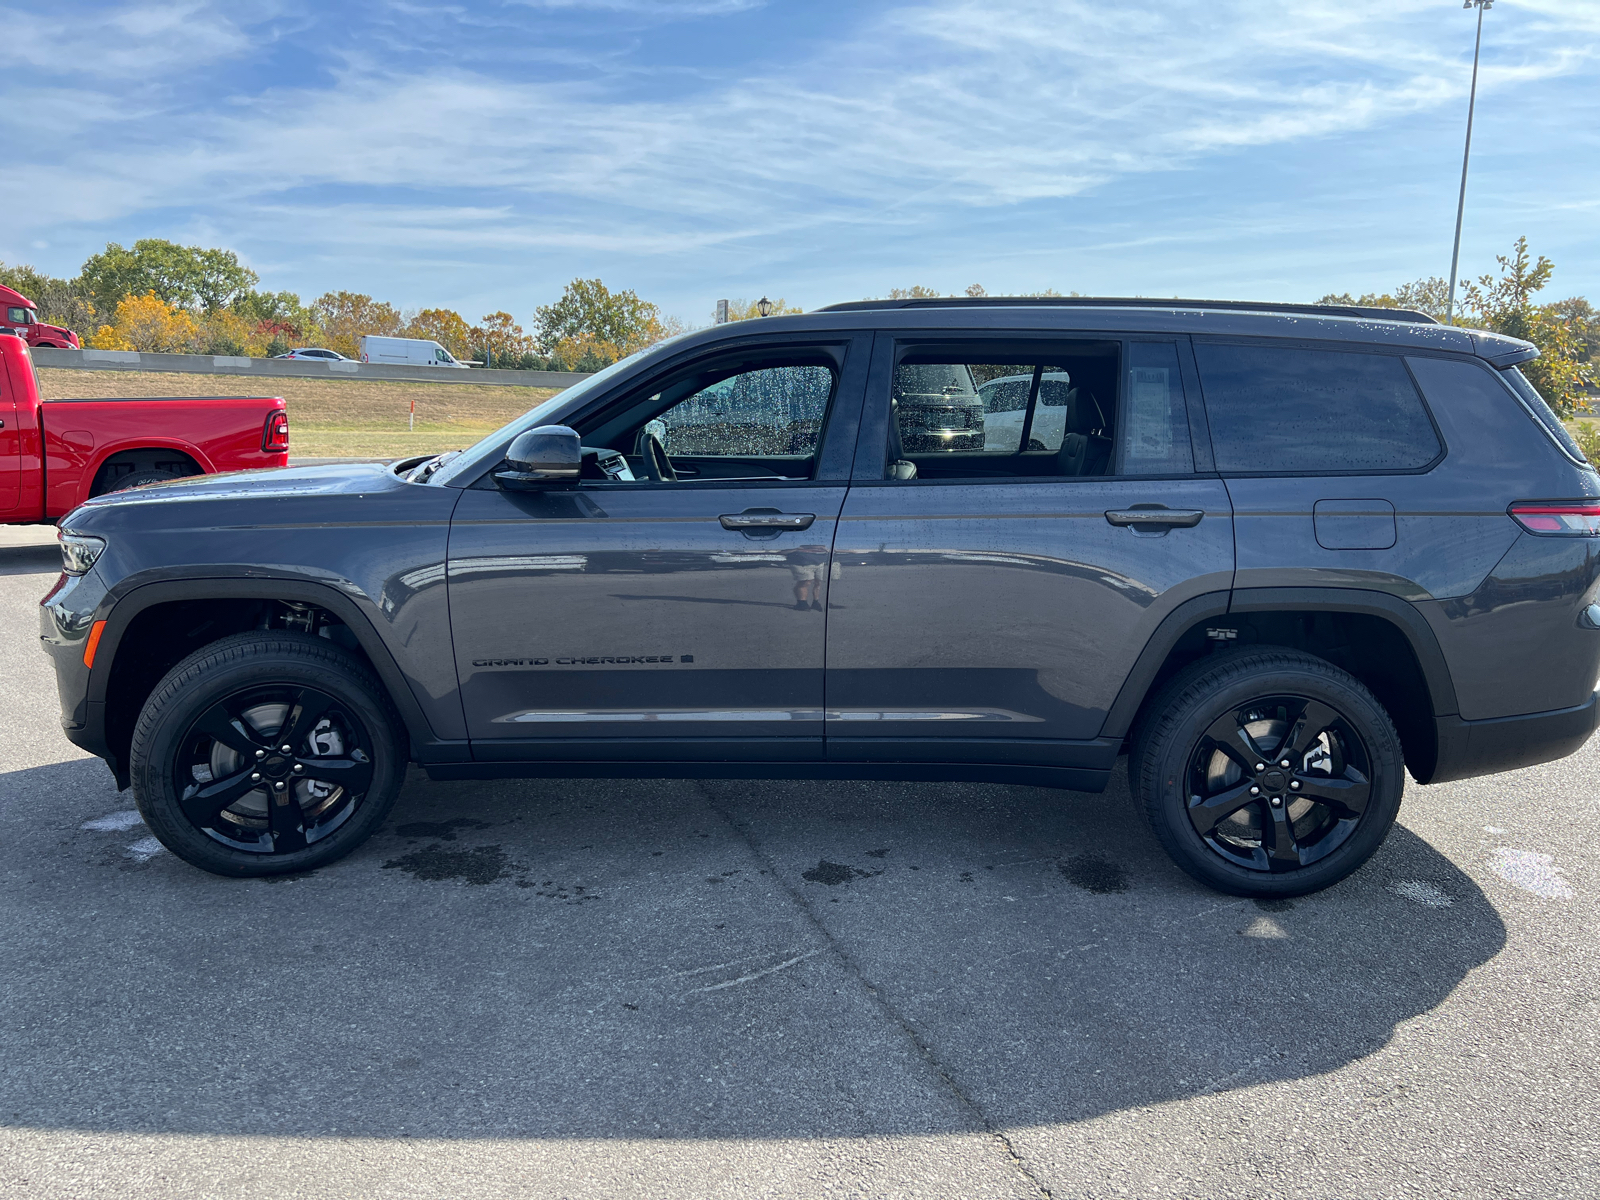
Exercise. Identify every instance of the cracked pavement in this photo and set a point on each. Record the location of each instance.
(719, 988)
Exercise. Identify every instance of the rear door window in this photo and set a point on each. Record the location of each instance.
(1003, 411)
(1293, 410)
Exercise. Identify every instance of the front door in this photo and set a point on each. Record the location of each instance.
(673, 605)
(992, 597)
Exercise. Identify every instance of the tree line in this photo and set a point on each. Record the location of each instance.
(1567, 332)
(160, 296)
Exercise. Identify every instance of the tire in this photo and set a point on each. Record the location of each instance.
(215, 725)
(139, 479)
(1337, 799)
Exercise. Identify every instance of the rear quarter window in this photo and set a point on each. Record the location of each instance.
(1284, 409)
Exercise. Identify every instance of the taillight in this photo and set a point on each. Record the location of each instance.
(275, 437)
(1558, 518)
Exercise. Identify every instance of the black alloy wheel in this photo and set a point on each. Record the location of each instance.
(1278, 784)
(265, 753)
(1267, 772)
(273, 770)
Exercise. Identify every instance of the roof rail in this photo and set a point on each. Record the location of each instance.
(1408, 315)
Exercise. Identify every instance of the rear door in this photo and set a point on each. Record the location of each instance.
(988, 603)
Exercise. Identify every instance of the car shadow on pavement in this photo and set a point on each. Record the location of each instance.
(29, 560)
(594, 959)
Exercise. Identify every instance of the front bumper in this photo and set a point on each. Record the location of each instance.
(66, 616)
(1469, 748)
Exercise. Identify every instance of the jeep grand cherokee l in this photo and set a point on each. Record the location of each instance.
(1279, 557)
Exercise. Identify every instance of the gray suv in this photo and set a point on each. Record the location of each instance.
(1278, 556)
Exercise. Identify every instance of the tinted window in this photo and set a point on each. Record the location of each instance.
(1535, 404)
(1310, 411)
(1155, 424)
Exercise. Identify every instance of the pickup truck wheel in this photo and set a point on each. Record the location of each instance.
(139, 479)
(1268, 773)
(266, 753)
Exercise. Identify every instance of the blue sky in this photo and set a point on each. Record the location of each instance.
(478, 155)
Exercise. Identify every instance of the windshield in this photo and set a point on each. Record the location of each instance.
(487, 451)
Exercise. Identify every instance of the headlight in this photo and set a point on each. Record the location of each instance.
(79, 552)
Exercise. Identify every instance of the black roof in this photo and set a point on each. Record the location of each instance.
(1406, 315)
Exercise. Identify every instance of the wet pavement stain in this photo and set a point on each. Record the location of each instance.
(445, 830)
(436, 863)
(832, 873)
(575, 894)
(878, 853)
(1096, 875)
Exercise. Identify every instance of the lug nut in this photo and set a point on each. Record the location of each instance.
(286, 748)
(1261, 766)
(1255, 791)
(255, 776)
(1277, 802)
(278, 786)
(1284, 763)
(260, 754)
(298, 767)
(1295, 785)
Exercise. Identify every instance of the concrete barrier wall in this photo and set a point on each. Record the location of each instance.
(300, 368)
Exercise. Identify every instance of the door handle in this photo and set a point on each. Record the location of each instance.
(1149, 518)
(767, 520)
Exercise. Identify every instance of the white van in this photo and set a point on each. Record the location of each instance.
(405, 352)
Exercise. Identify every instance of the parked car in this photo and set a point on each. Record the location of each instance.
(21, 315)
(1290, 553)
(406, 352)
(315, 353)
(937, 407)
(55, 454)
(1005, 408)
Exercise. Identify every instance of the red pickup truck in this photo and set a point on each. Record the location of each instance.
(21, 314)
(55, 454)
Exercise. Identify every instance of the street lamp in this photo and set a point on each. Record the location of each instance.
(764, 307)
(1466, 156)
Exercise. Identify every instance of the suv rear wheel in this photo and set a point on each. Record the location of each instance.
(266, 753)
(1268, 773)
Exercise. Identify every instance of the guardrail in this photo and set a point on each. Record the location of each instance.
(301, 368)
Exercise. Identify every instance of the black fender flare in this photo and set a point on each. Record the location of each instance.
(1400, 613)
(426, 745)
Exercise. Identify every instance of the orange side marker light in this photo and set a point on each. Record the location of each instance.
(93, 643)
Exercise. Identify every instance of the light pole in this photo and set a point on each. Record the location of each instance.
(1466, 156)
(764, 307)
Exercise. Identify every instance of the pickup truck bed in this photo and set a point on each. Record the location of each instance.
(55, 454)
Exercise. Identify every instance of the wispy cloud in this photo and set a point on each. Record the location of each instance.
(921, 109)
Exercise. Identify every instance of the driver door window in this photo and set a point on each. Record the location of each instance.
(720, 422)
(755, 414)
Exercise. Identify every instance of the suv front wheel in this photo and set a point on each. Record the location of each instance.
(1268, 773)
(266, 753)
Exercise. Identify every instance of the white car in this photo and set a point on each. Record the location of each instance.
(316, 354)
(1005, 406)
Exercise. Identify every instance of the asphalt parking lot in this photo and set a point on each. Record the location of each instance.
(634, 988)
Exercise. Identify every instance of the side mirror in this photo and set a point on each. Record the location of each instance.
(542, 456)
